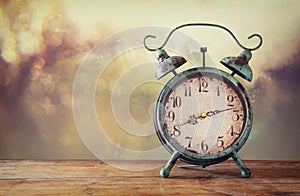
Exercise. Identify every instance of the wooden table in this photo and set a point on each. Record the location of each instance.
(93, 177)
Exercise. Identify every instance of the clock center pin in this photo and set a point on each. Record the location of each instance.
(203, 115)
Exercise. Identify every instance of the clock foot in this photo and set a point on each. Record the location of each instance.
(165, 172)
(245, 172)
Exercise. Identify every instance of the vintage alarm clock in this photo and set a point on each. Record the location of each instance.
(203, 115)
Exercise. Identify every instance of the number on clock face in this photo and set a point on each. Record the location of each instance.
(205, 114)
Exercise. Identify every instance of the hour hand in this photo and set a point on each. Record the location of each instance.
(192, 120)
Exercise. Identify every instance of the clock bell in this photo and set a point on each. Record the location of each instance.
(239, 65)
(167, 64)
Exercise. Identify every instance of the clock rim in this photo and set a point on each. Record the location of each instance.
(185, 155)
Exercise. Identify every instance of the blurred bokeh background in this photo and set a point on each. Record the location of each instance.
(43, 43)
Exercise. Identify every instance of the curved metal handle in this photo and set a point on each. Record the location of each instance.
(204, 24)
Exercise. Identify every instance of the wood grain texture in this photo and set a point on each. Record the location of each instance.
(93, 177)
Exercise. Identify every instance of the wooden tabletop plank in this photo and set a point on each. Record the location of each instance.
(94, 177)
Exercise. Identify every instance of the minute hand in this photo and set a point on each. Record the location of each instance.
(212, 113)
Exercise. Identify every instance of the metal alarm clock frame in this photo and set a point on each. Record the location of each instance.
(195, 152)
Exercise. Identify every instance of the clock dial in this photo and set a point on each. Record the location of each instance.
(204, 114)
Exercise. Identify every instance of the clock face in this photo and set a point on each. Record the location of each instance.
(204, 113)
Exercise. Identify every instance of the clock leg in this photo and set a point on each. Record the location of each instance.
(245, 172)
(165, 172)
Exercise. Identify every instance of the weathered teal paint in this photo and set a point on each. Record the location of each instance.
(238, 65)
